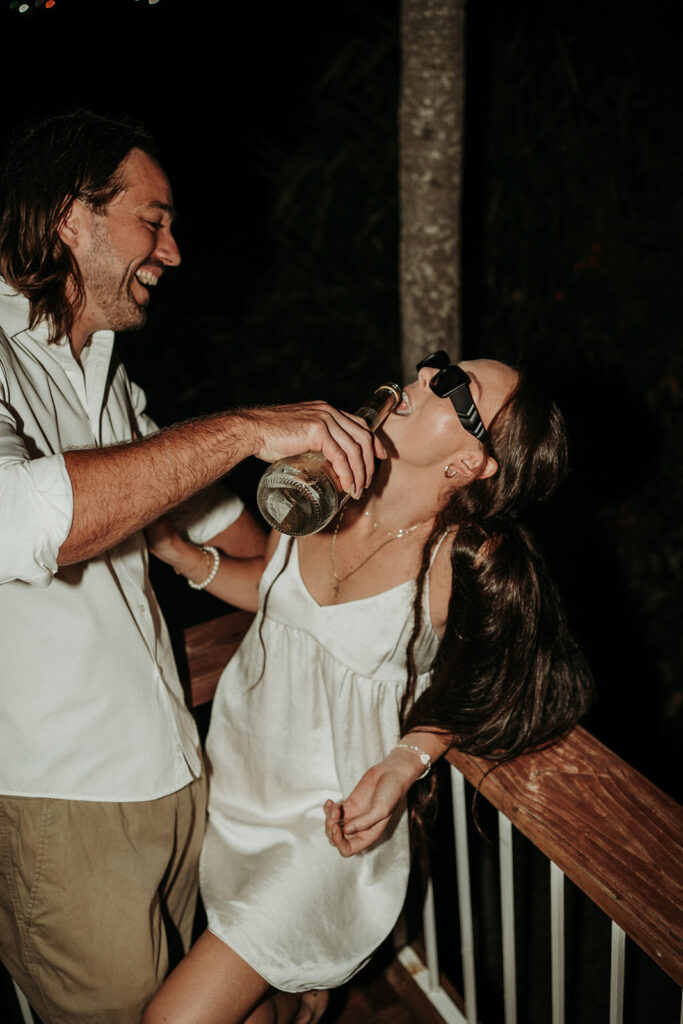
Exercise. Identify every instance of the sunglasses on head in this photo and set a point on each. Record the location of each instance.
(452, 382)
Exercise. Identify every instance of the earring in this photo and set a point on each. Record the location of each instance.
(450, 471)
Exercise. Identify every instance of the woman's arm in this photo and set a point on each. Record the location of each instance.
(362, 817)
(237, 579)
(245, 538)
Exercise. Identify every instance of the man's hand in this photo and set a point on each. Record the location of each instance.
(122, 489)
(316, 426)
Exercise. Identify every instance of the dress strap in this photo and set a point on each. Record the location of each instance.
(279, 559)
(425, 594)
(437, 546)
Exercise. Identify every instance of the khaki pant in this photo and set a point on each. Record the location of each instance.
(97, 900)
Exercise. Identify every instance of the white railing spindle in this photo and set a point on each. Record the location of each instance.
(616, 981)
(507, 904)
(462, 867)
(429, 925)
(557, 942)
(26, 1014)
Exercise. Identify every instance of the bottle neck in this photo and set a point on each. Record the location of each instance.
(379, 405)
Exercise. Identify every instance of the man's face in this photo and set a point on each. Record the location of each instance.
(124, 251)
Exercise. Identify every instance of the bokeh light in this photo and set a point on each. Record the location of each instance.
(23, 7)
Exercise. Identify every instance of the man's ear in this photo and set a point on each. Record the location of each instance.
(74, 228)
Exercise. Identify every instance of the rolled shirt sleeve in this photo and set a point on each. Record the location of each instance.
(208, 514)
(36, 509)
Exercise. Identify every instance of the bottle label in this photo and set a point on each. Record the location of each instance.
(278, 505)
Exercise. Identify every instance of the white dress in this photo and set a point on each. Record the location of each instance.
(285, 736)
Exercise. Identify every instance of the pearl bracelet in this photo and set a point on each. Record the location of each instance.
(215, 565)
(422, 754)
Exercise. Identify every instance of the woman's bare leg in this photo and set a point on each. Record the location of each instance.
(212, 985)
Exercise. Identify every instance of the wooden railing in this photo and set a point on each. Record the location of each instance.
(208, 648)
(597, 820)
(614, 834)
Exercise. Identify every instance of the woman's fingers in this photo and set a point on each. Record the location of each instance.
(348, 845)
(350, 838)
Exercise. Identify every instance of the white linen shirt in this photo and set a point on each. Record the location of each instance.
(91, 707)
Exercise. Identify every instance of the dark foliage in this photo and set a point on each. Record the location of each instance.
(572, 219)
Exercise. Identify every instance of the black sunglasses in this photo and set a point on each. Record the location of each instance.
(452, 382)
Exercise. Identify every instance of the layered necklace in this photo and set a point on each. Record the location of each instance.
(391, 535)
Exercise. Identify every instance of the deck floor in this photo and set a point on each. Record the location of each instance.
(375, 1002)
(381, 995)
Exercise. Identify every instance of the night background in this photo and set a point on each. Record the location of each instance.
(277, 126)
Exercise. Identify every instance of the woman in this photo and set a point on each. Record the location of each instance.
(355, 678)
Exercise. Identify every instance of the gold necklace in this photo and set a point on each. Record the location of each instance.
(375, 525)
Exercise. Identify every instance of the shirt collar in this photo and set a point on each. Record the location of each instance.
(14, 318)
(14, 310)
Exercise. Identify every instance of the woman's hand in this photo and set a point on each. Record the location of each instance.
(161, 539)
(236, 580)
(364, 815)
(165, 543)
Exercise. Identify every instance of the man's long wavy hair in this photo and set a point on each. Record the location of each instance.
(508, 675)
(48, 166)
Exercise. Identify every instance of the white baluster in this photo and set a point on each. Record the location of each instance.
(429, 925)
(462, 867)
(616, 980)
(507, 904)
(557, 941)
(26, 1014)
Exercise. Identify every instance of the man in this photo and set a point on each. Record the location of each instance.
(100, 769)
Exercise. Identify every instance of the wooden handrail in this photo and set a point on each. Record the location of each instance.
(209, 647)
(613, 833)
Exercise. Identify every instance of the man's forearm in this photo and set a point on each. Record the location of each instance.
(120, 490)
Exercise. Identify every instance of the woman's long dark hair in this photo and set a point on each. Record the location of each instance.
(508, 675)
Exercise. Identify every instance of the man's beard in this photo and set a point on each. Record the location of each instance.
(108, 283)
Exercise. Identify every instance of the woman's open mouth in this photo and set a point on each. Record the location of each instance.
(404, 408)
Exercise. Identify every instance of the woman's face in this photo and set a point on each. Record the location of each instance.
(424, 429)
